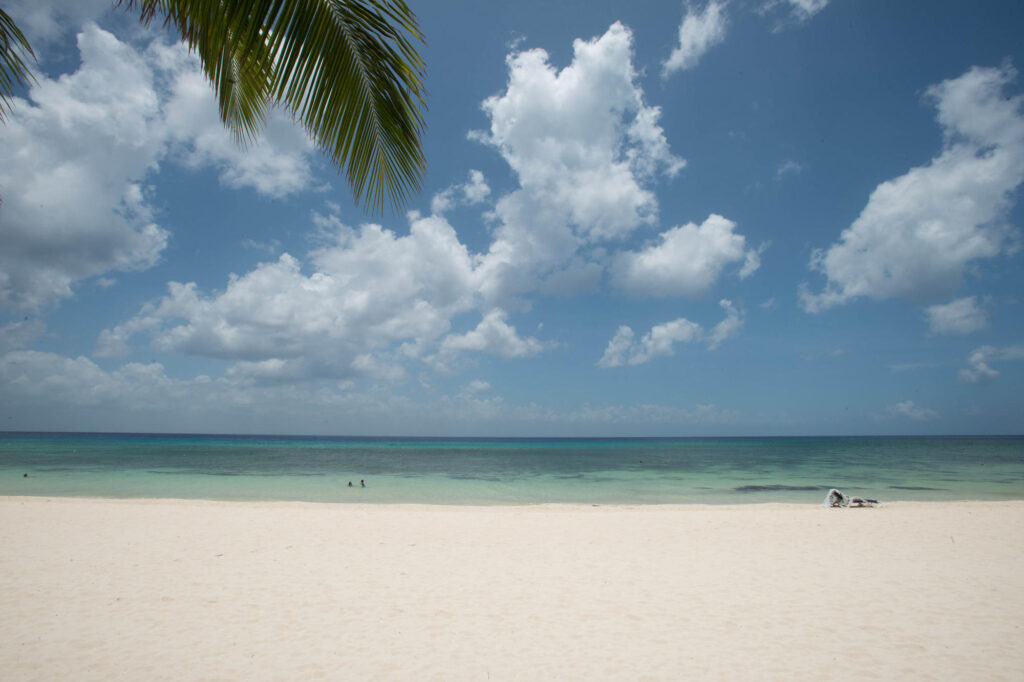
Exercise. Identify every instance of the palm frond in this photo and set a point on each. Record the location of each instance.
(348, 70)
(240, 77)
(14, 71)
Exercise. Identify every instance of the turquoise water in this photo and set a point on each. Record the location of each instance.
(510, 471)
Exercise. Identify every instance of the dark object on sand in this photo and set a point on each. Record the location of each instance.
(836, 498)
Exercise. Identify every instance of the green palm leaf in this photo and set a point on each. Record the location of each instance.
(347, 69)
(13, 69)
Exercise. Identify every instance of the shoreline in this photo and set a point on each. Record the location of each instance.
(108, 588)
(885, 503)
(666, 506)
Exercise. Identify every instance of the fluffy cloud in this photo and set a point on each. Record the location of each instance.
(369, 288)
(908, 409)
(73, 206)
(961, 316)
(493, 335)
(920, 231)
(624, 349)
(979, 362)
(562, 133)
(373, 301)
(34, 377)
(728, 328)
(687, 260)
(699, 32)
(474, 191)
(582, 144)
(77, 155)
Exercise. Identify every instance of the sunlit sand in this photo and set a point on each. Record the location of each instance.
(188, 590)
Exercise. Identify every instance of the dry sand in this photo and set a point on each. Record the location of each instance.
(190, 590)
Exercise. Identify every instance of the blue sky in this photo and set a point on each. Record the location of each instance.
(775, 217)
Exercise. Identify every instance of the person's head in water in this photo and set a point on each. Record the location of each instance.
(362, 483)
(350, 484)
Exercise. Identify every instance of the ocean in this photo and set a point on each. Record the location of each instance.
(510, 471)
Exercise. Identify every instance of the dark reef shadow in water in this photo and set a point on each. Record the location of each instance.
(776, 488)
(193, 472)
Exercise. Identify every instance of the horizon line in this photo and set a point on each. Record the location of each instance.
(509, 438)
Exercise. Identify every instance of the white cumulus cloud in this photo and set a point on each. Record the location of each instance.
(74, 156)
(624, 349)
(474, 191)
(979, 362)
(493, 335)
(369, 290)
(30, 376)
(920, 231)
(728, 328)
(687, 260)
(373, 301)
(78, 152)
(961, 316)
(583, 145)
(699, 32)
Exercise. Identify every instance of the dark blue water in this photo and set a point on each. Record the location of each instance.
(500, 471)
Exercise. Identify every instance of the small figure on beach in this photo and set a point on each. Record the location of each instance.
(350, 484)
(836, 498)
(362, 483)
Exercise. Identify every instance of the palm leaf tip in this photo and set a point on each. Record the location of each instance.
(14, 69)
(348, 70)
(364, 108)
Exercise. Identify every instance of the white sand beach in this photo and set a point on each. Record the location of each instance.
(197, 590)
